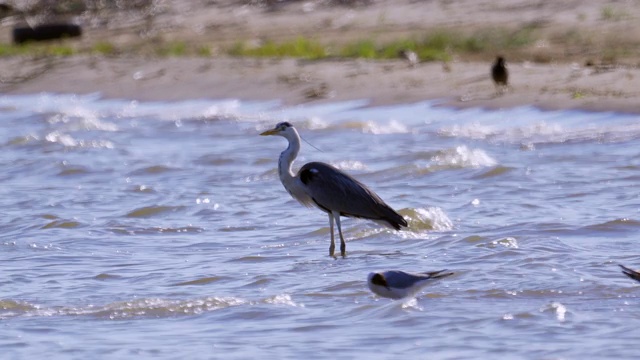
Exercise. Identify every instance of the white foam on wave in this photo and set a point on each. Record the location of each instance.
(557, 308)
(473, 130)
(392, 127)
(537, 131)
(462, 156)
(282, 299)
(411, 303)
(144, 308)
(315, 123)
(350, 165)
(526, 125)
(374, 127)
(182, 110)
(81, 118)
(67, 140)
(529, 125)
(425, 219)
(308, 111)
(93, 107)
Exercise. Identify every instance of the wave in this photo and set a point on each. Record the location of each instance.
(58, 138)
(372, 127)
(496, 171)
(463, 157)
(460, 157)
(542, 133)
(152, 211)
(422, 219)
(150, 308)
(152, 170)
(63, 224)
(92, 107)
(350, 165)
(81, 118)
(617, 225)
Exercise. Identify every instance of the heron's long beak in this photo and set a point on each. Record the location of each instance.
(269, 132)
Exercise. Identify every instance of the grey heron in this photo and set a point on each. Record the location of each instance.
(396, 284)
(333, 191)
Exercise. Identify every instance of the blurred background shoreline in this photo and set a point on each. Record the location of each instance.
(561, 55)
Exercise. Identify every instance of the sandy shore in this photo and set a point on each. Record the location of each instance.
(563, 84)
(559, 86)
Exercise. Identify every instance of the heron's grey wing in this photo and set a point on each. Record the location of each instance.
(334, 190)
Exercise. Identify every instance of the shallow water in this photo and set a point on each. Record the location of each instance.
(162, 230)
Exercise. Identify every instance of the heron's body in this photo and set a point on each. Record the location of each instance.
(331, 190)
(396, 284)
(635, 275)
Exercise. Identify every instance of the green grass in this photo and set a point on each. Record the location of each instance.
(607, 13)
(182, 49)
(104, 48)
(610, 13)
(365, 49)
(172, 49)
(37, 49)
(300, 47)
(441, 45)
(203, 51)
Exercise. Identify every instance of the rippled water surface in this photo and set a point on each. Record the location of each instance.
(162, 230)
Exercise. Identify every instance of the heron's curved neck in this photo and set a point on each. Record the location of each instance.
(287, 157)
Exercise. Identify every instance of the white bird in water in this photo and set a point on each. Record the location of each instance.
(333, 191)
(396, 284)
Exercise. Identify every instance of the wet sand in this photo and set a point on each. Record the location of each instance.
(564, 83)
(559, 86)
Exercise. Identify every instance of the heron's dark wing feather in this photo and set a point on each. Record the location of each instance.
(334, 190)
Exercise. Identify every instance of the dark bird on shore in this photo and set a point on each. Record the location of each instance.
(635, 275)
(500, 74)
(331, 190)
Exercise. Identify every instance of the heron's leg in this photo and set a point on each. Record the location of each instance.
(343, 245)
(332, 247)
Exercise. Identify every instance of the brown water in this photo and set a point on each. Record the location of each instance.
(162, 230)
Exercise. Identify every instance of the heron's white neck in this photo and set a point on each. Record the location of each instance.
(287, 157)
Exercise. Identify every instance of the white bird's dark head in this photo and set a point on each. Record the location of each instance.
(378, 279)
(284, 129)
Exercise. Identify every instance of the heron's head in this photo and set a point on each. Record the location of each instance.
(378, 279)
(282, 129)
